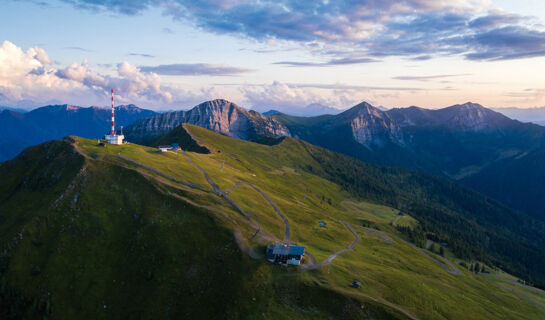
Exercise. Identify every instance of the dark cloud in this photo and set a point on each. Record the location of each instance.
(494, 20)
(511, 42)
(430, 77)
(78, 49)
(333, 62)
(417, 29)
(421, 58)
(125, 7)
(196, 69)
(143, 55)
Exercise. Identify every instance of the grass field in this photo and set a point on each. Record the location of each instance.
(177, 241)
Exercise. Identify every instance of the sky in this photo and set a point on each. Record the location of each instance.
(281, 54)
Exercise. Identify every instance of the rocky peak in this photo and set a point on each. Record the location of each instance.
(472, 117)
(219, 115)
(363, 109)
(371, 126)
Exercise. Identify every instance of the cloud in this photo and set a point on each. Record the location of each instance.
(506, 43)
(143, 55)
(294, 96)
(326, 86)
(430, 77)
(168, 31)
(194, 69)
(30, 76)
(333, 62)
(416, 29)
(529, 95)
(77, 49)
(283, 96)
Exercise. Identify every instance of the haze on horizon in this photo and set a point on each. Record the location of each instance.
(273, 54)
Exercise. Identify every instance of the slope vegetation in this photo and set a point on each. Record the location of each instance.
(126, 231)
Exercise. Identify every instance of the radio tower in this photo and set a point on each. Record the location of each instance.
(113, 117)
(113, 137)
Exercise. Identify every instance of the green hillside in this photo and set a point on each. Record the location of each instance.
(129, 232)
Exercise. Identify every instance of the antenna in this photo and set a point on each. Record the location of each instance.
(113, 117)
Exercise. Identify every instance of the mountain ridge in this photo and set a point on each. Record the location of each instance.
(456, 142)
(20, 130)
(128, 231)
(219, 115)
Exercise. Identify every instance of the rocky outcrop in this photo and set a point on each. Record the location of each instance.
(370, 126)
(218, 115)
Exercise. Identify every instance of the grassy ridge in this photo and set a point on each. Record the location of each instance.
(149, 247)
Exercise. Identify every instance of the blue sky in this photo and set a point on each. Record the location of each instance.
(273, 54)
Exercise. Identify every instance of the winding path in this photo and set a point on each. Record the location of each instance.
(225, 194)
(451, 268)
(375, 233)
(159, 172)
(206, 176)
(334, 255)
(447, 265)
(273, 205)
(523, 297)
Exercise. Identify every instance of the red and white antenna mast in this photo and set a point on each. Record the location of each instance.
(113, 117)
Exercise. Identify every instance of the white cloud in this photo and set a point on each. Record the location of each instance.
(281, 95)
(30, 76)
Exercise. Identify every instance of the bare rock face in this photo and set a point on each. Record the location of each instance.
(371, 127)
(218, 115)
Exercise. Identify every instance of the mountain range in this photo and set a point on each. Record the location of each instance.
(313, 109)
(476, 146)
(468, 143)
(218, 115)
(19, 130)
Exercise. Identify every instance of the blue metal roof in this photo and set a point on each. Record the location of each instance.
(284, 249)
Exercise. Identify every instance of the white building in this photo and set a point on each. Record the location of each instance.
(114, 138)
(164, 148)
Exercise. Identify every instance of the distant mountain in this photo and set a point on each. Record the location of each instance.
(461, 142)
(13, 109)
(271, 112)
(218, 115)
(533, 115)
(313, 109)
(20, 130)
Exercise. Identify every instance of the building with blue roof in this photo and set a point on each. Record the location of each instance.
(285, 254)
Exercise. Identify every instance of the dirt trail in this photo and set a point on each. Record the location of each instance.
(334, 255)
(164, 175)
(523, 297)
(451, 268)
(273, 205)
(444, 263)
(204, 173)
(375, 233)
(394, 223)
